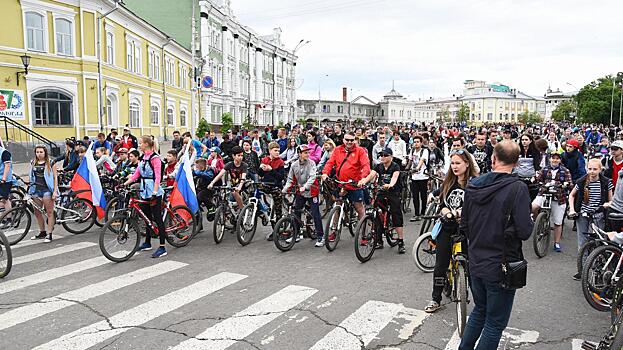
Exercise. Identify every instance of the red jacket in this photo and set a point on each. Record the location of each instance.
(167, 171)
(356, 167)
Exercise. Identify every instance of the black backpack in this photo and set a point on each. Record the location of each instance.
(163, 165)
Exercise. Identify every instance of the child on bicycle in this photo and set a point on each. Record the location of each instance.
(272, 171)
(388, 174)
(236, 172)
(302, 175)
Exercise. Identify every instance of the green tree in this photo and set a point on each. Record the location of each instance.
(463, 114)
(202, 127)
(301, 121)
(227, 122)
(530, 118)
(445, 114)
(563, 111)
(358, 122)
(246, 124)
(595, 99)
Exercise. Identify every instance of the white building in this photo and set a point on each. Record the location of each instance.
(397, 109)
(253, 76)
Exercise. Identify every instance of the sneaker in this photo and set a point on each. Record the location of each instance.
(432, 307)
(48, 239)
(401, 248)
(299, 238)
(577, 276)
(41, 235)
(269, 237)
(319, 244)
(159, 253)
(378, 245)
(557, 247)
(144, 247)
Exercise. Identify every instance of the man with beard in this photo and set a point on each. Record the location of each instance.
(482, 152)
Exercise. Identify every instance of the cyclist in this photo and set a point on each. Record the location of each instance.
(529, 163)
(482, 152)
(388, 173)
(573, 160)
(561, 177)
(6, 178)
(272, 172)
(149, 172)
(130, 167)
(452, 190)
(236, 172)
(350, 163)
(44, 190)
(303, 174)
(613, 164)
(69, 158)
(399, 147)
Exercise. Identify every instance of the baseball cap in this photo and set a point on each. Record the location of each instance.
(215, 149)
(617, 143)
(126, 128)
(303, 148)
(386, 151)
(574, 143)
(122, 150)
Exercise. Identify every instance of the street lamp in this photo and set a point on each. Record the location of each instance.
(26, 63)
(300, 45)
(612, 98)
(578, 90)
(319, 105)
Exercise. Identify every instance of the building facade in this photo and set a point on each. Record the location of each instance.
(78, 84)
(553, 99)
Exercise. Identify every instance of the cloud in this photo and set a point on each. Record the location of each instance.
(430, 47)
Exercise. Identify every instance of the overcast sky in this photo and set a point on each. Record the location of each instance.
(430, 47)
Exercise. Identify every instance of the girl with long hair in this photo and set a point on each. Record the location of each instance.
(529, 163)
(44, 190)
(452, 190)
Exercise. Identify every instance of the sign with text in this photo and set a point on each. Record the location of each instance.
(12, 104)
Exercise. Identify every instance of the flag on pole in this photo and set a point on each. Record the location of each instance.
(86, 181)
(184, 187)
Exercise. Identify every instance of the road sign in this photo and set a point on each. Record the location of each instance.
(207, 82)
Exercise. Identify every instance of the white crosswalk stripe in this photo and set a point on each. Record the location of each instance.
(93, 334)
(27, 242)
(49, 305)
(51, 274)
(510, 336)
(52, 252)
(227, 333)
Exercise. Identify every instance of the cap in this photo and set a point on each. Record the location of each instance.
(303, 148)
(573, 142)
(556, 153)
(617, 143)
(215, 149)
(122, 150)
(386, 151)
(126, 128)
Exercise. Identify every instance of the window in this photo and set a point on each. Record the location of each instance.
(64, 40)
(170, 117)
(340, 109)
(489, 116)
(153, 65)
(154, 114)
(133, 51)
(110, 48)
(169, 72)
(130, 56)
(35, 31)
(182, 118)
(135, 113)
(52, 108)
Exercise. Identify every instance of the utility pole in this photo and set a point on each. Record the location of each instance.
(612, 100)
(193, 88)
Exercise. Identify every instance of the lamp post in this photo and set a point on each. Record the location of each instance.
(577, 116)
(319, 105)
(26, 63)
(100, 100)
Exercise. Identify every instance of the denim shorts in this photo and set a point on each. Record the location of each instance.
(42, 194)
(355, 196)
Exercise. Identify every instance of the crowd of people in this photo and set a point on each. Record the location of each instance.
(479, 166)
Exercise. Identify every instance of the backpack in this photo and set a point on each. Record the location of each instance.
(428, 164)
(163, 165)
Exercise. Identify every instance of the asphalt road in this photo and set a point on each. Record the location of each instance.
(65, 295)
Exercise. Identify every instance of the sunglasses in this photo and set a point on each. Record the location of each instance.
(458, 151)
(615, 148)
(349, 140)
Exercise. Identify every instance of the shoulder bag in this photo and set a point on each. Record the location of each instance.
(514, 273)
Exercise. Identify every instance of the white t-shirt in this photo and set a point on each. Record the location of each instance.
(416, 157)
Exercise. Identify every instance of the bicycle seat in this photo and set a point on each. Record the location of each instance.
(615, 216)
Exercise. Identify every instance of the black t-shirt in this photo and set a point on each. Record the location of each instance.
(454, 198)
(6, 157)
(385, 176)
(234, 173)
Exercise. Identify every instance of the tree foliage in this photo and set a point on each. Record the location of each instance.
(227, 122)
(202, 127)
(564, 111)
(530, 118)
(595, 99)
(463, 114)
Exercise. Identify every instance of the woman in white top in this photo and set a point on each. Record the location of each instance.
(399, 148)
(419, 177)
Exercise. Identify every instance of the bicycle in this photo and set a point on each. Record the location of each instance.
(342, 213)
(226, 214)
(405, 193)
(429, 214)
(456, 281)
(246, 224)
(371, 228)
(613, 339)
(288, 228)
(600, 274)
(596, 236)
(425, 249)
(541, 232)
(6, 258)
(116, 233)
(76, 215)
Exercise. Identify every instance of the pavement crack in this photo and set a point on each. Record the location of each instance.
(90, 308)
(328, 323)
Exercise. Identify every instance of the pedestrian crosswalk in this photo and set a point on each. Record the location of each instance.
(359, 325)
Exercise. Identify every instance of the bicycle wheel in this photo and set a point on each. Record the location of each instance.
(597, 275)
(541, 235)
(406, 199)
(285, 233)
(218, 225)
(391, 236)
(617, 302)
(365, 238)
(79, 216)
(246, 224)
(119, 239)
(6, 259)
(180, 226)
(111, 208)
(460, 282)
(15, 224)
(585, 250)
(352, 220)
(428, 223)
(424, 253)
(333, 229)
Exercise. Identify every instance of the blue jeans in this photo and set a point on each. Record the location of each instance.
(492, 310)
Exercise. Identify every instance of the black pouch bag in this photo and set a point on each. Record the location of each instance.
(514, 266)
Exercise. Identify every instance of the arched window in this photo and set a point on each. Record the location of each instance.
(52, 108)
(64, 37)
(182, 118)
(135, 113)
(35, 31)
(154, 114)
(170, 117)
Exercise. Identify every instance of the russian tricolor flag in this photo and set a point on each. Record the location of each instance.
(87, 182)
(184, 187)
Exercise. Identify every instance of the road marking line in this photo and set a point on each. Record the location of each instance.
(98, 332)
(30, 242)
(242, 324)
(10, 233)
(52, 252)
(51, 274)
(509, 336)
(52, 304)
(361, 327)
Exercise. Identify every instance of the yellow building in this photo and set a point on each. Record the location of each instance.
(145, 75)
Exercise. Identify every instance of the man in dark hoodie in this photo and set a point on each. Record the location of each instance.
(483, 221)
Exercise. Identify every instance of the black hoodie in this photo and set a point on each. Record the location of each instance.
(482, 220)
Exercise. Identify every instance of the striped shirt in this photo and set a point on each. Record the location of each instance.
(594, 195)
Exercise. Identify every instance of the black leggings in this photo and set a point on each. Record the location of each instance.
(442, 261)
(419, 190)
(153, 212)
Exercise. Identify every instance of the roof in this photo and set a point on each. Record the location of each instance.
(364, 101)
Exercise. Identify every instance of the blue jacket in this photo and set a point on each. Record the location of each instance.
(49, 180)
(576, 164)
